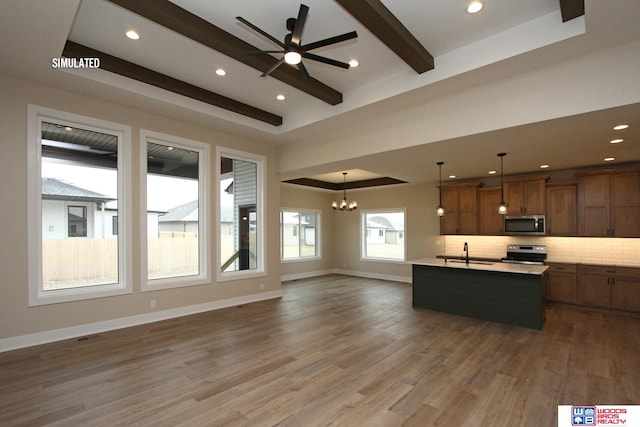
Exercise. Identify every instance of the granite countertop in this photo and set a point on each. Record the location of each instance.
(500, 267)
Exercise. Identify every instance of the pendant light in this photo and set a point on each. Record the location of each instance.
(502, 206)
(343, 206)
(440, 209)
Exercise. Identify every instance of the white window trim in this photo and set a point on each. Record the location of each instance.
(261, 167)
(37, 296)
(318, 254)
(204, 246)
(363, 234)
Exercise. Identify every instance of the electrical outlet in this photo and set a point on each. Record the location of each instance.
(152, 303)
(262, 286)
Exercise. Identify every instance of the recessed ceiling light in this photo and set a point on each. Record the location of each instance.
(280, 97)
(68, 128)
(353, 63)
(544, 166)
(492, 172)
(221, 72)
(452, 176)
(474, 7)
(609, 159)
(133, 35)
(616, 141)
(169, 148)
(620, 127)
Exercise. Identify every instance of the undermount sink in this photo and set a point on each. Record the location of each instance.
(461, 261)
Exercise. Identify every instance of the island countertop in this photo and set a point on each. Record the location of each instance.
(501, 267)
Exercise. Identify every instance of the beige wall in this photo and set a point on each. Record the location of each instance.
(292, 196)
(342, 252)
(573, 86)
(16, 317)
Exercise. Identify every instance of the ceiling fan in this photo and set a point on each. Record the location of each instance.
(292, 48)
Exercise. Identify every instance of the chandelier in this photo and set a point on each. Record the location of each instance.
(344, 206)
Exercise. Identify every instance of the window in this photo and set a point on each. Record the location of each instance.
(383, 233)
(299, 234)
(77, 221)
(176, 185)
(78, 167)
(114, 225)
(240, 182)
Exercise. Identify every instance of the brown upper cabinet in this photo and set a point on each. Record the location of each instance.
(525, 196)
(562, 209)
(461, 209)
(609, 203)
(491, 222)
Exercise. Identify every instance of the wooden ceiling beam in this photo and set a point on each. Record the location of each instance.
(365, 183)
(571, 9)
(386, 27)
(173, 17)
(145, 75)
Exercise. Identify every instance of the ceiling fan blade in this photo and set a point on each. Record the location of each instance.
(330, 40)
(264, 33)
(304, 72)
(252, 52)
(272, 68)
(296, 34)
(325, 60)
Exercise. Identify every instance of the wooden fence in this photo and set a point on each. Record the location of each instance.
(80, 262)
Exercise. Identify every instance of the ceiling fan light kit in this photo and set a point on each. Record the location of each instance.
(292, 48)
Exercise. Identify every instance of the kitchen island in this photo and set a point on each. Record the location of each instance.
(499, 292)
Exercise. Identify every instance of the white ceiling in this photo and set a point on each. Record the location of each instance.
(463, 45)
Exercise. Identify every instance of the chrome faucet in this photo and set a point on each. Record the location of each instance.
(466, 251)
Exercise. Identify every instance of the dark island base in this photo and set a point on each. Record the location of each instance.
(511, 298)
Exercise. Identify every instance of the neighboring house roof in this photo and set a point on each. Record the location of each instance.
(54, 189)
(384, 223)
(187, 212)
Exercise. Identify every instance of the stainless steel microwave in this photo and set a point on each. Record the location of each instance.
(531, 225)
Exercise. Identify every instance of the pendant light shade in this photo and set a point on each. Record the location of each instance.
(440, 208)
(502, 206)
(343, 205)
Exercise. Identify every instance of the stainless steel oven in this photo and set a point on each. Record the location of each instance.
(526, 254)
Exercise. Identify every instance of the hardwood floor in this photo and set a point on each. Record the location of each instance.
(335, 350)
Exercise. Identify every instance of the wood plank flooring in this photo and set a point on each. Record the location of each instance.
(334, 351)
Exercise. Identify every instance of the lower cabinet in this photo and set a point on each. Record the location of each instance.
(616, 288)
(560, 284)
(595, 286)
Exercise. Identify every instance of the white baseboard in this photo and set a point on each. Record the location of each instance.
(306, 275)
(13, 343)
(366, 274)
(369, 275)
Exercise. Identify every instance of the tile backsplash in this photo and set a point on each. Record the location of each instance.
(582, 250)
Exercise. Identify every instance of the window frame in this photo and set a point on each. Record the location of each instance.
(204, 248)
(261, 207)
(364, 234)
(37, 295)
(318, 255)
